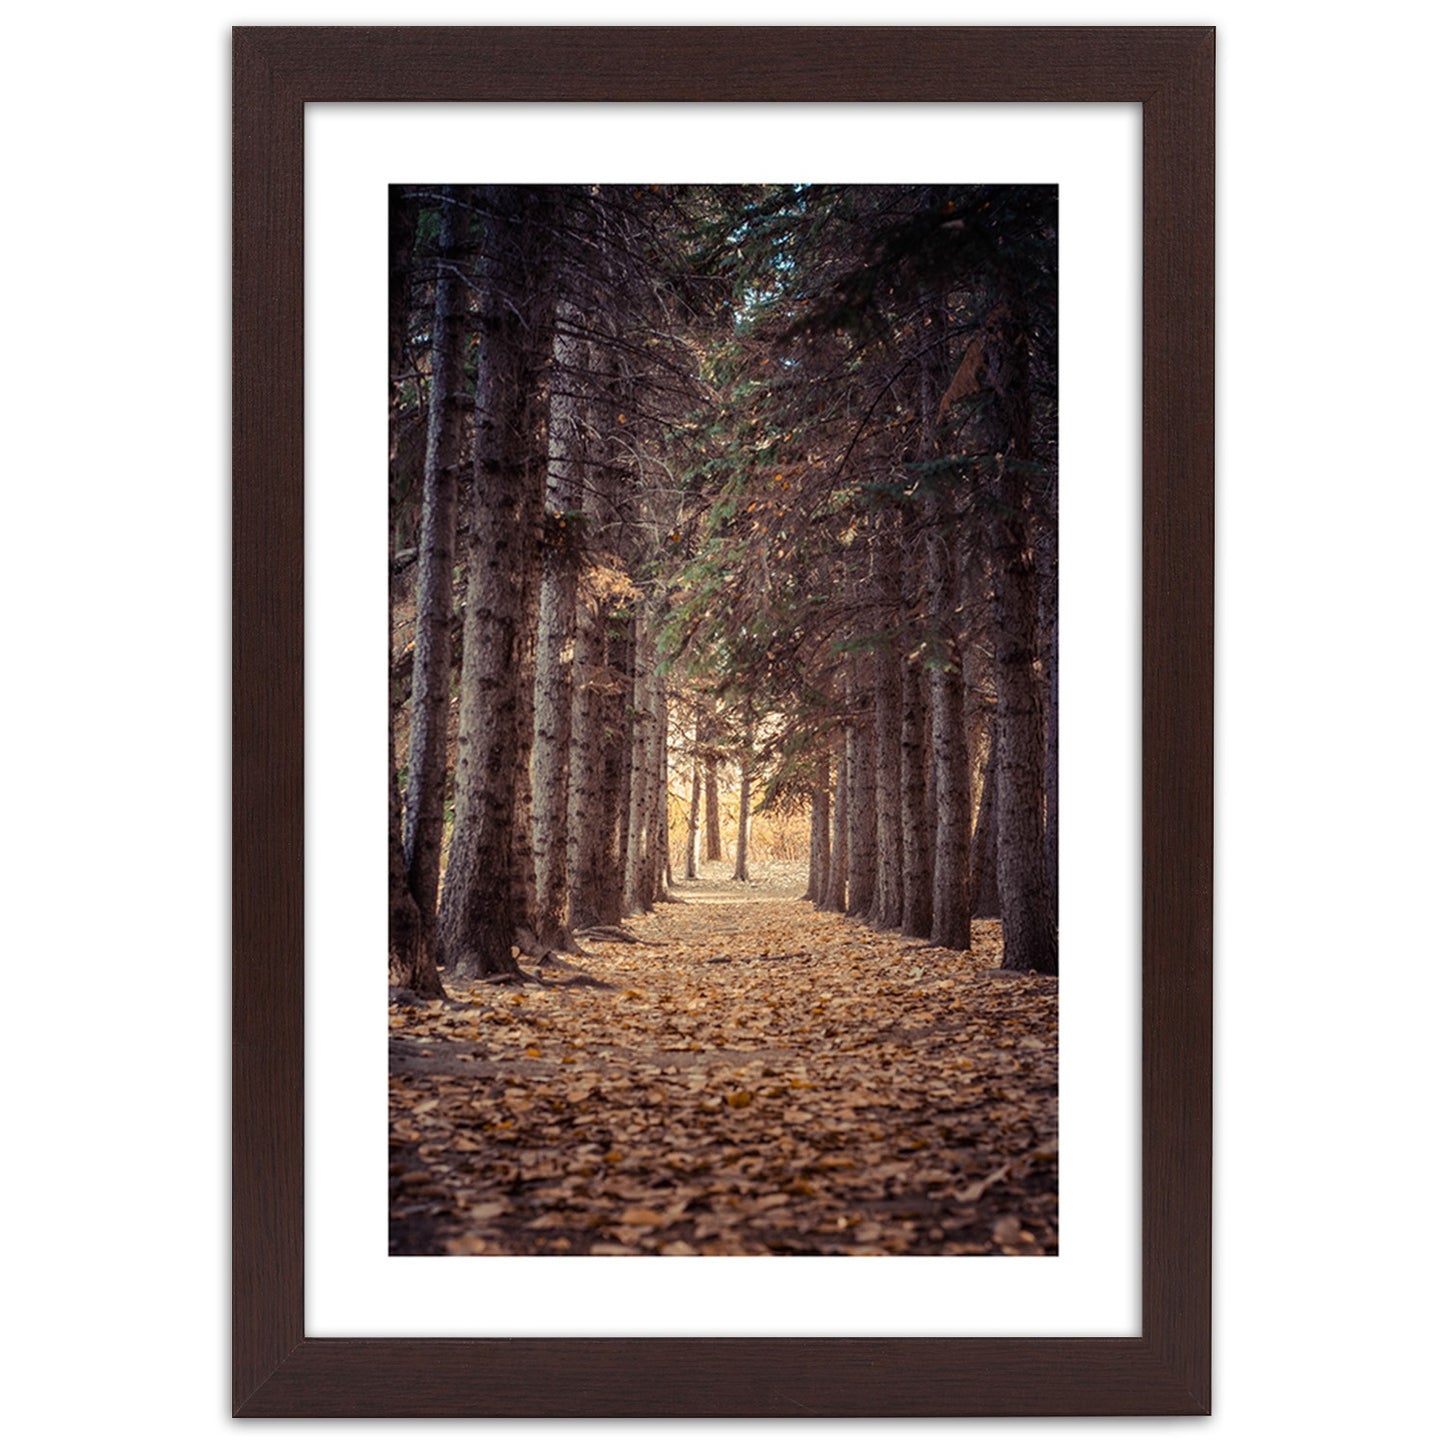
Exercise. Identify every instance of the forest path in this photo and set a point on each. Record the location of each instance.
(761, 1078)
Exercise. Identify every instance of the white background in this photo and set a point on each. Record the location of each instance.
(1327, 1276)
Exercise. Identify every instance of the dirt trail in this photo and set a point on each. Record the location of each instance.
(761, 1078)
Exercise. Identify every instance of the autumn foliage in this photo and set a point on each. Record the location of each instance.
(757, 1078)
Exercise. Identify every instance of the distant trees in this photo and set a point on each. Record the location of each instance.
(771, 467)
(745, 811)
(886, 528)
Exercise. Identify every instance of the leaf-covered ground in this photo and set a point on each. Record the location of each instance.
(759, 1078)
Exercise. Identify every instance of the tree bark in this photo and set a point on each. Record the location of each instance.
(477, 921)
(410, 962)
(556, 638)
(662, 858)
(916, 821)
(745, 809)
(1030, 940)
(587, 816)
(983, 874)
(712, 849)
(431, 677)
(819, 835)
(1046, 549)
(694, 817)
(952, 920)
(695, 805)
(836, 897)
(887, 909)
(862, 804)
(1029, 924)
(641, 829)
(524, 875)
(951, 923)
(616, 772)
(403, 213)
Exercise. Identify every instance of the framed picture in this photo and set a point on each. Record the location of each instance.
(1164, 78)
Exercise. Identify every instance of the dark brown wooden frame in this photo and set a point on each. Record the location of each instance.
(280, 1372)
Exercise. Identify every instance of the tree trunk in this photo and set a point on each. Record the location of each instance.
(403, 213)
(836, 897)
(819, 836)
(616, 773)
(609, 666)
(1046, 548)
(556, 638)
(431, 676)
(712, 849)
(951, 925)
(1030, 939)
(694, 811)
(916, 820)
(662, 859)
(745, 809)
(477, 921)
(952, 919)
(524, 874)
(410, 962)
(1029, 923)
(586, 810)
(983, 874)
(862, 804)
(887, 910)
(641, 830)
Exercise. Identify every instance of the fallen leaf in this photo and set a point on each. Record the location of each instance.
(636, 1214)
(699, 1106)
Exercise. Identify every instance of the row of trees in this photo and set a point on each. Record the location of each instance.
(777, 464)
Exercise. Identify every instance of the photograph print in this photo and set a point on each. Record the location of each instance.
(723, 560)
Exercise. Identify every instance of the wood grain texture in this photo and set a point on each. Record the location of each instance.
(267, 723)
(277, 1371)
(1178, 712)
